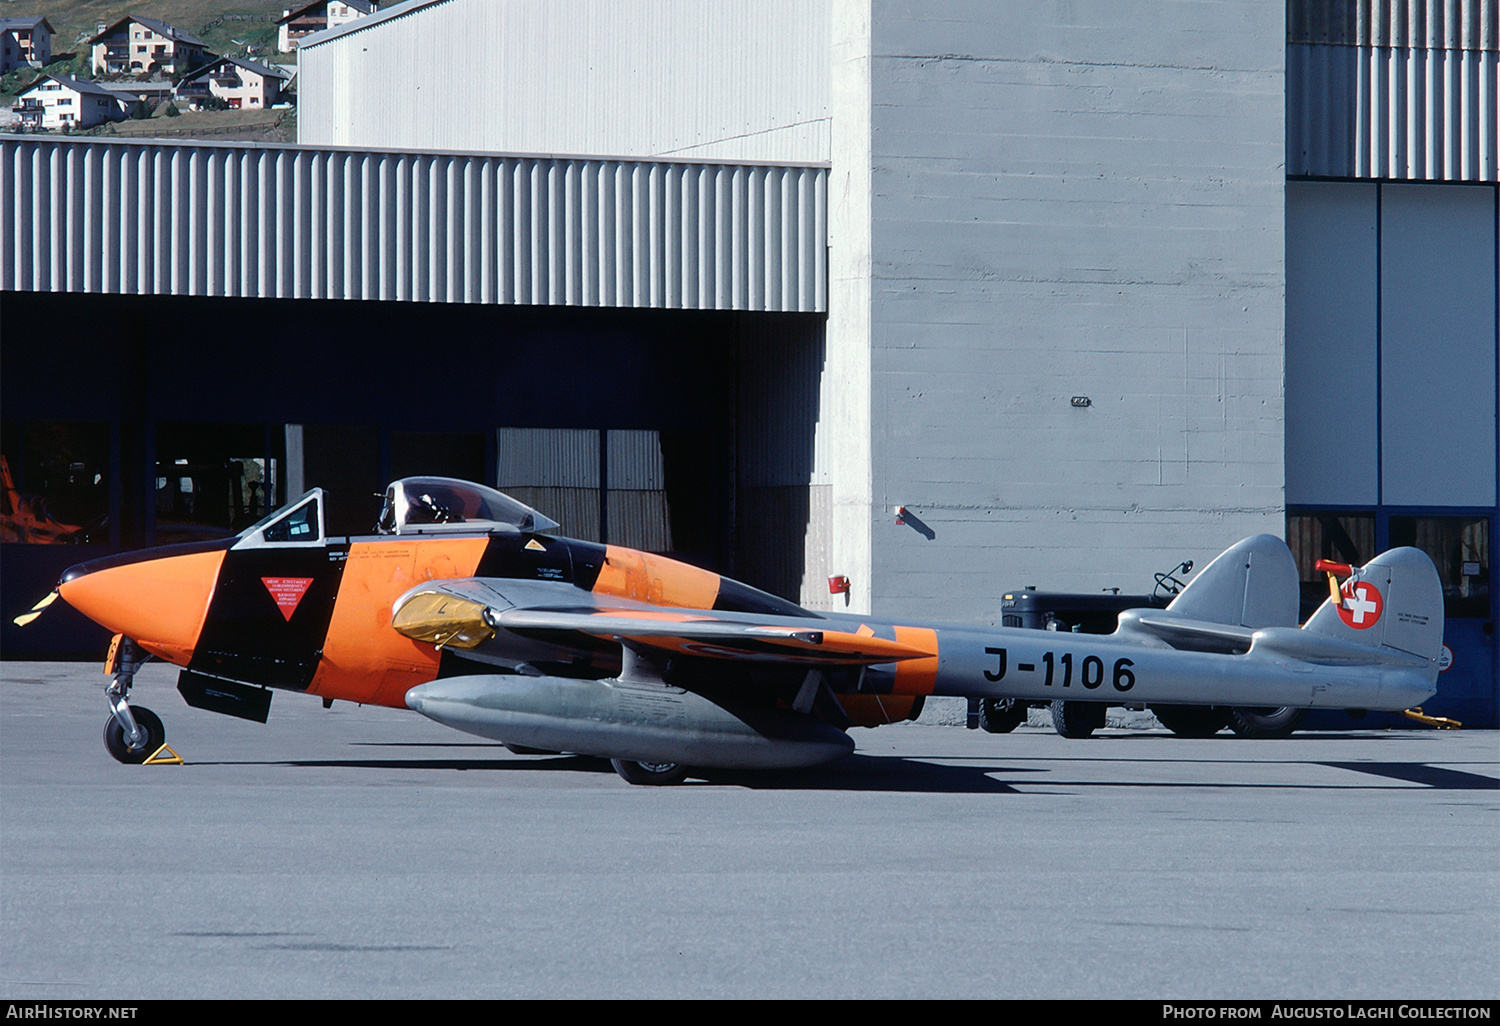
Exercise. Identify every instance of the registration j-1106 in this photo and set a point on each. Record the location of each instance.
(1058, 670)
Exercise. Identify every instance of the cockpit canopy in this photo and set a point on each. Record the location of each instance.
(416, 505)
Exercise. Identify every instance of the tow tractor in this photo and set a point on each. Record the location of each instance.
(1083, 613)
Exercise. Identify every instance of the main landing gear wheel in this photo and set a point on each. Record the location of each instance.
(1001, 715)
(655, 773)
(1249, 722)
(1077, 719)
(119, 747)
(1192, 720)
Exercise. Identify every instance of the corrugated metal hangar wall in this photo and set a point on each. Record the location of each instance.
(303, 223)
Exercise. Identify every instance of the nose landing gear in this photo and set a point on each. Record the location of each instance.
(131, 735)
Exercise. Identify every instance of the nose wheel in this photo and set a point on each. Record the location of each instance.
(131, 734)
(149, 739)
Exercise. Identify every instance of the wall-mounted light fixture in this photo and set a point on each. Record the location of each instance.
(1081, 401)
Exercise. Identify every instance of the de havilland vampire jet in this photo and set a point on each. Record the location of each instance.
(466, 607)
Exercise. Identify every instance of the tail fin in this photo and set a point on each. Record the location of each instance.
(1253, 583)
(1394, 601)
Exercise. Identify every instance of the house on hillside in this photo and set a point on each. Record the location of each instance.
(57, 101)
(242, 84)
(24, 42)
(134, 44)
(315, 17)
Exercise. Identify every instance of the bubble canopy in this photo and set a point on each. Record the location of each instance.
(418, 505)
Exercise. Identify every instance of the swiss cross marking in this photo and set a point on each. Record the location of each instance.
(1361, 606)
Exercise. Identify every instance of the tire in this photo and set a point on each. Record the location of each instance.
(1265, 723)
(657, 774)
(1077, 719)
(114, 737)
(1192, 720)
(1001, 715)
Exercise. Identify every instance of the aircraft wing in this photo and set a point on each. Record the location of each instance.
(462, 614)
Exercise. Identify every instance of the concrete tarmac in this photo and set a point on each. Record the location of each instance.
(370, 853)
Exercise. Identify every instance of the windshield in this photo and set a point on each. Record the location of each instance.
(415, 504)
(298, 523)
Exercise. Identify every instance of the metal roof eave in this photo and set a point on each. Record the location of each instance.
(369, 21)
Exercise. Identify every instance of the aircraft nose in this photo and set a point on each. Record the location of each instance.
(159, 601)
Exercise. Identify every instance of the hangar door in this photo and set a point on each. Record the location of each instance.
(1391, 384)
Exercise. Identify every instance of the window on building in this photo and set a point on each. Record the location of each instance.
(214, 480)
(1460, 549)
(54, 486)
(1342, 536)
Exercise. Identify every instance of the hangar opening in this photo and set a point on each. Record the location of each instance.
(185, 418)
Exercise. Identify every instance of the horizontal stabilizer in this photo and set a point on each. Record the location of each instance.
(1190, 633)
(1251, 584)
(1325, 650)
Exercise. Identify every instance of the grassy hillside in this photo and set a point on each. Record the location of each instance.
(275, 126)
(243, 27)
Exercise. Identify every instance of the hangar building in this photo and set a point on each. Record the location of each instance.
(1083, 288)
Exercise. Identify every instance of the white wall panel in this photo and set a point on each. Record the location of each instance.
(1438, 345)
(290, 222)
(1332, 331)
(730, 80)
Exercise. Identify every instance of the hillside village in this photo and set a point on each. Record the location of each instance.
(230, 77)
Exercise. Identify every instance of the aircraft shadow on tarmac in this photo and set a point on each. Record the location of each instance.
(899, 774)
(855, 773)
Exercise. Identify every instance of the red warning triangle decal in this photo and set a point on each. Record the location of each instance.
(287, 591)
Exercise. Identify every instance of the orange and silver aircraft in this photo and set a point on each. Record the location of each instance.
(467, 607)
